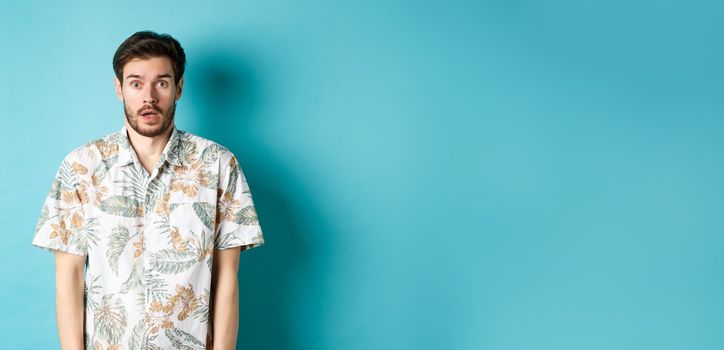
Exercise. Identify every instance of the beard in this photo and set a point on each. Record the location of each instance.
(150, 131)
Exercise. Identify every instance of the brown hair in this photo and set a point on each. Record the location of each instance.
(146, 44)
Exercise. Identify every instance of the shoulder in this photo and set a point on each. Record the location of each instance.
(204, 149)
(86, 157)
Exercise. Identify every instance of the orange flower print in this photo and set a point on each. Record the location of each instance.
(186, 299)
(178, 243)
(92, 192)
(151, 239)
(158, 317)
(162, 207)
(99, 346)
(61, 231)
(107, 150)
(227, 207)
(73, 210)
(160, 313)
(187, 179)
(79, 168)
(139, 248)
(203, 252)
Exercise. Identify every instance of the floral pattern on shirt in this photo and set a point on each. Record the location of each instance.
(149, 239)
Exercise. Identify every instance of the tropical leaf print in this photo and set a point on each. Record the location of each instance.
(116, 244)
(133, 182)
(161, 224)
(93, 230)
(210, 154)
(55, 189)
(202, 310)
(121, 206)
(43, 218)
(78, 240)
(246, 216)
(66, 177)
(184, 341)
(170, 261)
(173, 206)
(88, 236)
(135, 340)
(156, 191)
(105, 165)
(202, 246)
(187, 149)
(110, 319)
(226, 240)
(205, 212)
(234, 174)
(213, 180)
(134, 278)
(155, 285)
(149, 238)
(91, 290)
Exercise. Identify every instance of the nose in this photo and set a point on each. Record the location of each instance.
(151, 96)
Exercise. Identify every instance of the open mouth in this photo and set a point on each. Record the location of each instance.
(150, 114)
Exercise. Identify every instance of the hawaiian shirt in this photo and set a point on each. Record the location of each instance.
(149, 239)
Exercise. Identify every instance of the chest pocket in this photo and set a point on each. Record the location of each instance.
(192, 203)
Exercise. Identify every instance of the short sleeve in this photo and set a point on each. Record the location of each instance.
(61, 225)
(236, 217)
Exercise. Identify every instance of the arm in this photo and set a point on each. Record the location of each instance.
(225, 289)
(69, 299)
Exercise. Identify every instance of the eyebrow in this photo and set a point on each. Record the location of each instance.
(165, 75)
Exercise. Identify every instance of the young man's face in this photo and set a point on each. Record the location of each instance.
(149, 95)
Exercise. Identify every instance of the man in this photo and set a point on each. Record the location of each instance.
(157, 217)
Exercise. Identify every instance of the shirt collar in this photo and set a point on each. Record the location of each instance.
(127, 155)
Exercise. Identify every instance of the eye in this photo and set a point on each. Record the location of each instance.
(135, 83)
(162, 83)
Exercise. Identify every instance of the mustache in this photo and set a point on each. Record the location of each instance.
(149, 109)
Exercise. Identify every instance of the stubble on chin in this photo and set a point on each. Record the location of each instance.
(132, 119)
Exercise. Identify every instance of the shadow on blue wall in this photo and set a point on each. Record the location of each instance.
(229, 94)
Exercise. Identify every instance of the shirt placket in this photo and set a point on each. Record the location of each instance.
(145, 222)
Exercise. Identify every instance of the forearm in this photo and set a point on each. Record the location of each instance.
(226, 311)
(69, 306)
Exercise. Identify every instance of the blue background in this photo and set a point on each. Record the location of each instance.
(428, 174)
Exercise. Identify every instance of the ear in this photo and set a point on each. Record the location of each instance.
(119, 91)
(179, 88)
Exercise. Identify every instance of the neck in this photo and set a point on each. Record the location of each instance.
(146, 146)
